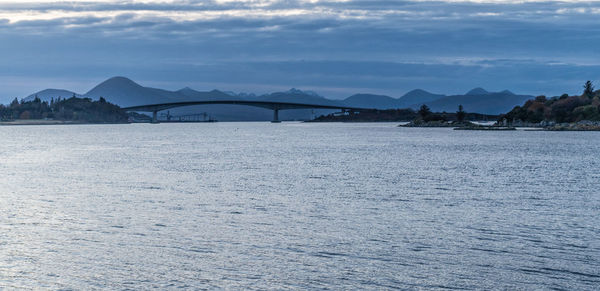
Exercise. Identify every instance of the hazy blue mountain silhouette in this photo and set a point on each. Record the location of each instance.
(413, 97)
(478, 91)
(371, 101)
(240, 112)
(297, 96)
(418, 96)
(476, 100)
(192, 94)
(480, 101)
(125, 92)
(49, 94)
(217, 111)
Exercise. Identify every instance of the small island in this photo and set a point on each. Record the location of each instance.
(388, 115)
(459, 120)
(61, 111)
(421, 118)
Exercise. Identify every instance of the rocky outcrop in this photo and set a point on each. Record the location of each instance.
(584, 125)
(437, 123)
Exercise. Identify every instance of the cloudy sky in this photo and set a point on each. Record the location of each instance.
(333, 47)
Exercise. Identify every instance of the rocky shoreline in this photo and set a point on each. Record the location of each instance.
(463, 125)
(542, 126)
(584, 125)
(482, 127)
(50, 122)
(36, 122)
(437, 123)
(573, 127)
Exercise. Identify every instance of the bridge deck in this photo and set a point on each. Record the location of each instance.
(272, 105)
(263, 104)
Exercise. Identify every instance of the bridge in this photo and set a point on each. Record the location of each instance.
(272, 105)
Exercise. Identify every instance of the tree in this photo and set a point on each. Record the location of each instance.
(424, 111)
(588, 89)
(541, 99)
(14, 103)
(460, 114)
(25, 115)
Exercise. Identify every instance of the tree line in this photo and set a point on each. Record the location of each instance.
(561, 109)
(68, 109)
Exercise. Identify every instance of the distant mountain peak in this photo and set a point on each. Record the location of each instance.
(298, 91)
(478, 91)
(119, 79)
(119, 82)
(508, 92)
(48, 94)
(418, 96)
(125, 92)
(185, 89)
(241, 94)
(54, 91)
(417, 91)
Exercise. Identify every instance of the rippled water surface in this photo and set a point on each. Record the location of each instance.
(294, 205)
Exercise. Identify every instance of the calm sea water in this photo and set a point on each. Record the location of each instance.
(294, 205)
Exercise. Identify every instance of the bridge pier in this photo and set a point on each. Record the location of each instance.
(275, 116)
(154, 116)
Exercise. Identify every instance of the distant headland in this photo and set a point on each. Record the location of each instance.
(61, 111)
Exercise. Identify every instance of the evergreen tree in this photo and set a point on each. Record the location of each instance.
(14, 103)
(588, 89)
(460, 114)
(424, 111)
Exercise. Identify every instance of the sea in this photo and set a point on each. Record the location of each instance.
(261, 206)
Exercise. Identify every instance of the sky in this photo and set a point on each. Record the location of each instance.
(333, 47)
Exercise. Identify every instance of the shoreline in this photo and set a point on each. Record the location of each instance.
(50, 122)
(471, 127)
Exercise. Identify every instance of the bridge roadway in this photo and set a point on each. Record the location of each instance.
(272, 105)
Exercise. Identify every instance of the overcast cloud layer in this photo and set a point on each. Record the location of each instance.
(336, 48)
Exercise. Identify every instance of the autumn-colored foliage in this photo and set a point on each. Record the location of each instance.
(557, 109)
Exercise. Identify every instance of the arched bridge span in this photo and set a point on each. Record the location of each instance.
(275, 106)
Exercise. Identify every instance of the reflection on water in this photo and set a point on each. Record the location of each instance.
(293, 205)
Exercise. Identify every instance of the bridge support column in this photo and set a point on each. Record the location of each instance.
(275, 116)
(154, 116)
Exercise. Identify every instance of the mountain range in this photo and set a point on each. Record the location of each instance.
(125, 92)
